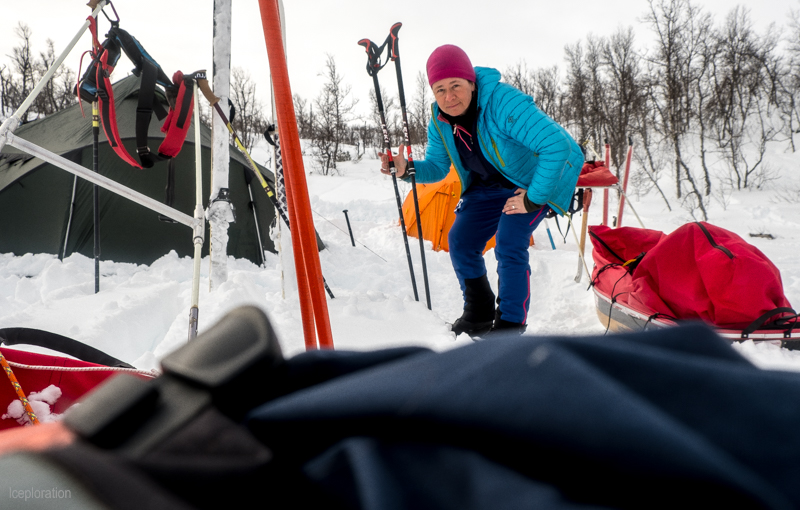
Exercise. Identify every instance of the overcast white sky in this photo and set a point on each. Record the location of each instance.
(495, 33)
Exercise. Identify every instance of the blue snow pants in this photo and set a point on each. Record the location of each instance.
(479, 216)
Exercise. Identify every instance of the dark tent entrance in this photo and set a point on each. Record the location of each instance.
(38, 213)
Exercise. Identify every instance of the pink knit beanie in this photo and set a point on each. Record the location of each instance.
(449, 61)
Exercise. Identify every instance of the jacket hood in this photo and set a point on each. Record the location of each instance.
(487, 78)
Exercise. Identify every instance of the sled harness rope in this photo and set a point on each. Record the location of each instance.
(95, 85)
(146, 373)
(18, 390)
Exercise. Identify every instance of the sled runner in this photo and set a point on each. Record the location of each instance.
(644, 279)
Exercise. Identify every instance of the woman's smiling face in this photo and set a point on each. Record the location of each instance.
(453, 95)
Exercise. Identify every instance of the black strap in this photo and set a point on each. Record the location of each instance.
(183, 108)
(607, 247)
(144, 112)
(780, 323)
(169, 191)
(62, 344)
(713, 243)
(558, 226)
(601, 271)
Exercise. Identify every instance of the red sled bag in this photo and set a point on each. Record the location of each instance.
(705, 272)
(51, 384)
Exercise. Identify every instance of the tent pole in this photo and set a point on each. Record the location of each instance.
(199, 229)
(12, 123)
(96, 193)
(100, 180)
(69, 219)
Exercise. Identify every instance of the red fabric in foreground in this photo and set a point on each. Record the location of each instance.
(595, 174)
(73, 385)
(723, 281)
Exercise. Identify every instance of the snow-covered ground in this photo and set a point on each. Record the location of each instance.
(141, 312)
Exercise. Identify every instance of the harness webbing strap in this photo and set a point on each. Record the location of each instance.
(176, 127)
(186, 105)
(144, 113)
(177, 122)
(108, 115)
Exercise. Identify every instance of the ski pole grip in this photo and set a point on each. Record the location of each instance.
(93, 4)
(395, 52)
(202, 83)
(373, 60)
(369, 46)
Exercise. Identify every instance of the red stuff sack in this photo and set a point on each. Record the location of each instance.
(705, 272)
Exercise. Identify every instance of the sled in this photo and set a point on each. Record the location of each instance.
(643, 279)
(58, 381)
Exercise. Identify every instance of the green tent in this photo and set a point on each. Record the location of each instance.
(44, 209)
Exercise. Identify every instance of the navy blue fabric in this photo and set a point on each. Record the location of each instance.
(479, 216)
(668, 419)
(471, 156)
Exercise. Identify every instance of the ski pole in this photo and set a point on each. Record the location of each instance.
(199, 231)
(394, 54)
(373, 66)
(214, 101)
(96, 193)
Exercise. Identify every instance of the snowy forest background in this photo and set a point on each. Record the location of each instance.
(700, 91)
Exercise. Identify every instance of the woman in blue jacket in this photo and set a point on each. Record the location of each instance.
(515, 164)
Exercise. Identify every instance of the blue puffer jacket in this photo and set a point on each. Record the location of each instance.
(520, 140)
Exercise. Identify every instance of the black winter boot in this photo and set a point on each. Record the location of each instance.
(503, 327)
(478, 313)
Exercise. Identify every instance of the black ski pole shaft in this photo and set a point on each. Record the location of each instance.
(373, 66)
(349, 229)
(394, 53)
(203, 85)
(96, 193)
